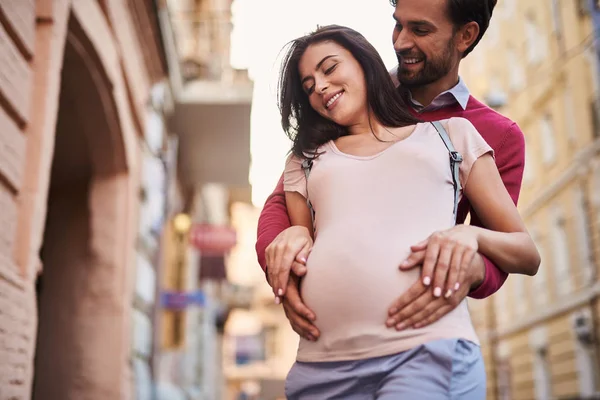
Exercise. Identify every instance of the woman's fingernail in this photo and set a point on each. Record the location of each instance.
(303, 260)
(400, 326)
(280, 292)
(437, 292)
(390, 322)
(393, 311)
(448, 293)
(456, 286)
(427, 281)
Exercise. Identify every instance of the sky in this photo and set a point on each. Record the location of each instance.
(261, 28)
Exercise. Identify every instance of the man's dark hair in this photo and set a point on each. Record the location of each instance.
(308, 129)
(462, 12)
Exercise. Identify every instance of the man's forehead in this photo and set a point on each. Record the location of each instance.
(431, 11)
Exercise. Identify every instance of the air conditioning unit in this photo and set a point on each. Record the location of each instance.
(496, 99)
(583, 327)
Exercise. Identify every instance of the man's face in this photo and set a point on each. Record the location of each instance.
(424, 41)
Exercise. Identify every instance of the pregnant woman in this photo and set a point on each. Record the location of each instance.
(378, 179)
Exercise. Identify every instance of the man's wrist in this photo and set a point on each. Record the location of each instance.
(478, 273)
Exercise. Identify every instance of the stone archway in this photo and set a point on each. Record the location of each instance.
(81, 351)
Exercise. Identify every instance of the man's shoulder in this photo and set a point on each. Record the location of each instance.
(490, 123)
(483, 113)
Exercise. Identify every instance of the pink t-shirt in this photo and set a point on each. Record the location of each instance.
(369, 211)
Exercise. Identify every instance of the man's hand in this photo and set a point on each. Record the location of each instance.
(288, 251)
(419, 307)
(301, 317)
(447, 253)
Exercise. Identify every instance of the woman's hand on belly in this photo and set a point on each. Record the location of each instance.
(288, 251)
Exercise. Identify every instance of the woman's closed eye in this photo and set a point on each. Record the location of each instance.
(327, 71)
(330, 69)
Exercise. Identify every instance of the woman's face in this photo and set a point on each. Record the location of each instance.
(335, 83)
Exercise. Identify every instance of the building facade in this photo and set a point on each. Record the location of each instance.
(538, 65)
(211, 117)
(76, 81)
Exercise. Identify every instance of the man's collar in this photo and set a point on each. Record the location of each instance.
(459, 93)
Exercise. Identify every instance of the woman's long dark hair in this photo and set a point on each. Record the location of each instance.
(308, 129)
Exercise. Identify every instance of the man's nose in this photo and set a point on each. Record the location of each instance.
(403, 41)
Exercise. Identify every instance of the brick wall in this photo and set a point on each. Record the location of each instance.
(17, 308)
(32, 43)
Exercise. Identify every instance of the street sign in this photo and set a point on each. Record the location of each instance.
(213, 239)
(181, 300)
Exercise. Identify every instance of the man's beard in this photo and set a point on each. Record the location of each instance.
(432, 70)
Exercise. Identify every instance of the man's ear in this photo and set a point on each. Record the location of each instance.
(466, 36)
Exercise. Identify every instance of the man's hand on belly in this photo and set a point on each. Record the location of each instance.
(300, 316)
(419, 306)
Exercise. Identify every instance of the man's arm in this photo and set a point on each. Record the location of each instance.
(272, 221)
(510, 159)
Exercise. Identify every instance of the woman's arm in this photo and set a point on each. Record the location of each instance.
(506, 240)
(298, 210)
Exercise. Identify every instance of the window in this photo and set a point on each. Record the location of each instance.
(520, 294)
(536, 43)
(570, 118)
(560, 250)
(478, 60)
(591, 56)
(595, 196)
(585, 355)
(583, 235)
(548, 140)
(504, 371)
(516, 74)
(540, 280)
(556, 20)
(542, 376)
(510, 7)
(538, 342)
(595, 112)
(504, 379)
(587, 369)
(529, 172)
(501, 306)
(493, 33)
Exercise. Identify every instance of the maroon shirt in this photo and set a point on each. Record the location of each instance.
(502, 134)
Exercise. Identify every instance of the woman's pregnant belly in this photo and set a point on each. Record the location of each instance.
(350, 285)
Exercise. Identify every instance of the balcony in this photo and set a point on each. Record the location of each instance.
(212, 110)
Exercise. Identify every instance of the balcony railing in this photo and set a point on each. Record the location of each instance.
(203, 43)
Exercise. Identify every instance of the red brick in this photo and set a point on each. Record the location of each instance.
(14, 349)
(20, 18)
(15, 77)
(12, 151)
(8, 221)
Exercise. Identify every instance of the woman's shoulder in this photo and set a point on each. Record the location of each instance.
(457, 123)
